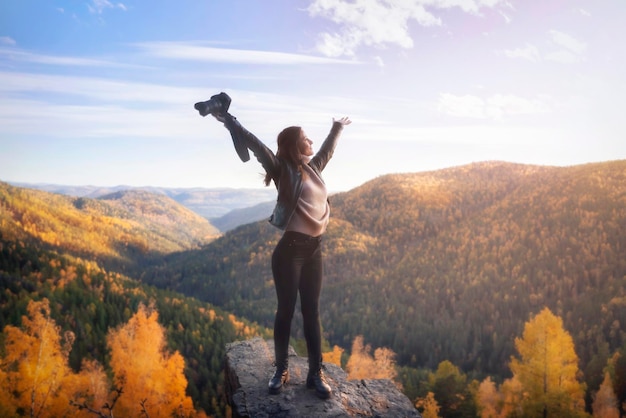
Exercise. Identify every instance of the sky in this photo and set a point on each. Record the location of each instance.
(100, 92)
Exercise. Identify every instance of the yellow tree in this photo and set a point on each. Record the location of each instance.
(35, 377)
(152, 380)
(361, 364)
(8, 407)
(488, 399)
(428, 406)
(547, 369)
(92, 398)
(512, 394)
(494, 403)
(334, 356)
(605, 401)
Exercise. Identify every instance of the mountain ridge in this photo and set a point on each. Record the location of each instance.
(112, 229)
(406, 254)
(207, 202)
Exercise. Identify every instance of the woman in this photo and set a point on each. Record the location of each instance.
(302, 211)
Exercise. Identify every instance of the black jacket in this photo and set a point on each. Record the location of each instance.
(286, 176)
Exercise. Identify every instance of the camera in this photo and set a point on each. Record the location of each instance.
(216, 104)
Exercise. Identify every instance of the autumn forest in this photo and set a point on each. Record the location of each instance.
(486, 290)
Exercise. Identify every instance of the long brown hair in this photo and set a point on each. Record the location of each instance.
(288, 148)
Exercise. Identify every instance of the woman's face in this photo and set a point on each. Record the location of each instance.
(304, 145)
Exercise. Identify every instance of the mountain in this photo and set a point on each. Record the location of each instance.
(238, 217)
(122, 229)
(208, 203)
(447, 264)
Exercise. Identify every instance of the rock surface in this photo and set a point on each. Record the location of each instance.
(249, 367)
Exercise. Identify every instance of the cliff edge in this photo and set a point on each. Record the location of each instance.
(249, 367)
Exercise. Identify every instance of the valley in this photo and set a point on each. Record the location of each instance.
(436, 266)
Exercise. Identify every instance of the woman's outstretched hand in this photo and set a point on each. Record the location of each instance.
(344, 121)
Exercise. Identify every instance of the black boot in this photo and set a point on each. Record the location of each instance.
(316, 380)
(281, 377)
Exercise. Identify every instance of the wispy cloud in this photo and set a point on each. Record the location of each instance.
(187, 51)
(7, 40)
(494, 107)
(381, 22)
(570, 49)
(196, 52)
(528, 52)
(15, 54)
(98, 6)
(95, 107)
(565, 50)
(93, 88)
(92, 107)
(506, 17)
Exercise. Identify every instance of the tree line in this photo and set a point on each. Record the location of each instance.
(37, 380)
(148, 379)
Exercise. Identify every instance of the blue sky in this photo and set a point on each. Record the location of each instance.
(101, 92)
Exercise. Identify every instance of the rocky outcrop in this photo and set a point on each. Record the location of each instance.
(249, 367)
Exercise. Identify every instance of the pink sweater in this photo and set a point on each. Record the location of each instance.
(312, 212)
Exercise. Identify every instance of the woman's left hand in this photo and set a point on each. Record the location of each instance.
(344, 121)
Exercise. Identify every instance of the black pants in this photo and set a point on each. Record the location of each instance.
(297, 267)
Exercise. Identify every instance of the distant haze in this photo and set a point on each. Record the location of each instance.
(209, 203)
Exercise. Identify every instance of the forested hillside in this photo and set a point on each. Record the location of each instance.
(448, 265)
(443, 268)
(119, 230)
(49, 251)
